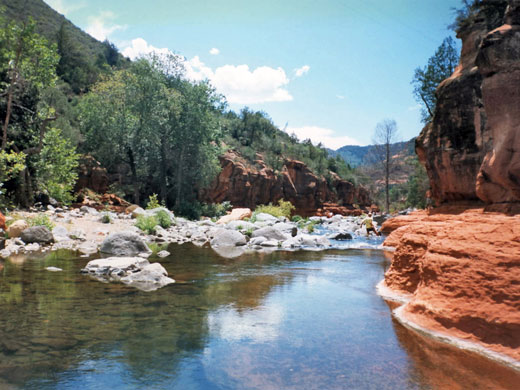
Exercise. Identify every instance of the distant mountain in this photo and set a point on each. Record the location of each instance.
(356, 156)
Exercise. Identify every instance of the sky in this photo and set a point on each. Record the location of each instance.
(327, 70)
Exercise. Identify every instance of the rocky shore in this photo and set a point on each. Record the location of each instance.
(458, 274)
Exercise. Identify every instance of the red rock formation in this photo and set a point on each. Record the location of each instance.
(248, 186)
(2, 222)
(471, 149)
(463, 271)
(91, 175)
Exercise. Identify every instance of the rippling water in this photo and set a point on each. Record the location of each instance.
(299, 320)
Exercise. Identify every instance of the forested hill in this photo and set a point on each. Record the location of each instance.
(356, 156)
(82, 57)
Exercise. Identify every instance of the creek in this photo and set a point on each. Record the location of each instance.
(284, 320)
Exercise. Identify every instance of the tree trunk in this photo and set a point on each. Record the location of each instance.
(180, 163)
(135, 183)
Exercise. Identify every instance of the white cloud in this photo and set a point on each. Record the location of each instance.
(214, 51)
(63, 7)
(140, 48)
(341, 97)
(327, 137)
(237, 83)
(99, 26)
(301, 71)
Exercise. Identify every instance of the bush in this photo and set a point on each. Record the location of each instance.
(283, 209)
(156, 248)
(163, 219)
(215, 210)
(105, 218)
(147, 224)
(296, 218)
(41, 220)
(153, 202)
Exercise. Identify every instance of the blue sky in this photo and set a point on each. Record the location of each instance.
(330, 70)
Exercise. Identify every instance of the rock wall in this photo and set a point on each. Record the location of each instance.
(248, 186)
(471, 149)
(462, 272)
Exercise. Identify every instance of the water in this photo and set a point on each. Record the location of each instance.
(298, 320)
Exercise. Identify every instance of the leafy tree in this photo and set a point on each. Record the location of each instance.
(27, 60)
(57, 167)
(440, 66)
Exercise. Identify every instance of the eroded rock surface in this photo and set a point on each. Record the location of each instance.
(132, 271)
(463, 271)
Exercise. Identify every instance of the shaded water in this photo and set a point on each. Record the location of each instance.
(301, 320)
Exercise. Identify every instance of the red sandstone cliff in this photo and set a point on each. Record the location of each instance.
(248, 186)
(471, 149)
(463, 273)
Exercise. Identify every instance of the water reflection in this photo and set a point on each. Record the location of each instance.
(281, 320)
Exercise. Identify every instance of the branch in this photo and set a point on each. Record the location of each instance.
(38, 149)
(426, 104)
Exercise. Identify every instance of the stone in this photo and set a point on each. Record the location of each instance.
(228, 238)
(53, 269)
(240, 225)
(137, 212)
(2, 243)
(37, 234)
(60, 233)
(32, 247)
(264, 217)
(16, 228)
(88, 248)
(270, 232)
(257, 240)
(133, 271)
(123, 244)
(163, 253)
(460, 273)
(341, 236)
(235, 215)
(89, 210)
(130, 209)
(269, 243)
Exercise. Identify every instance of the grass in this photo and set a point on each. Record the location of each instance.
(284, 209)
(41, 220)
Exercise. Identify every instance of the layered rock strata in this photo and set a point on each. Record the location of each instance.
(471, 149)
(248, 186)
(461, 273)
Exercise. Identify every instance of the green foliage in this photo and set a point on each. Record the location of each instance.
(440, 66)
(57, 167)
(215, 210)
(284, 209)
(105, 218)
(249, 232)
(163, 219)
(296, 218)
(11, 163)
(491, 12)
(156, 248)
(153, 202)
(41, 220)
(147, 223)
(417, 186)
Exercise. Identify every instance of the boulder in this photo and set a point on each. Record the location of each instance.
(53, 269)
(37, 234)
(124, 244)
(130, 209)
(270, 232)
(341, 236)
(236, 215)
(16, 228)
(2, 243)
(163, 253)
(264, 217)
(240, 225)
(228, 238)
(133, 271)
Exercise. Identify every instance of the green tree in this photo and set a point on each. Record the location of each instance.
(57, 167)
(440, 66)
(27, 59)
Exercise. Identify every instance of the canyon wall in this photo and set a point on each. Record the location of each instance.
(246, 185)
(471, 149)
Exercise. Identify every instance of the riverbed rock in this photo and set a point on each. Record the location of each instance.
(341, 236)
(240, 225)
(133, 271)
(16, 228)
(228, 238)
(37, 234)
(163, 253)
(2, 243)
(462, 272)
(53, 269)
(271, 233)
(124, 244)
(235, 215)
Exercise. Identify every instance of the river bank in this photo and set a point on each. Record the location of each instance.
(458, 274)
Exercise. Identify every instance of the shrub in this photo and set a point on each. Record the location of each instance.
(296, 218)
(147, 224)
(283, 209)
(153, 202)
(163, 219)
(215, 210)
(105, 218)
(156, 248)
(41, 220)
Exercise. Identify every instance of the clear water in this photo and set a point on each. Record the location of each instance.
(298, 320)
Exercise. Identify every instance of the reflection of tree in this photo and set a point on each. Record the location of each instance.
(443, 366)
(51, 321)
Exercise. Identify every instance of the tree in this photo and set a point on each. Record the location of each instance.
(440, 66)
(28, 60)
(384, 136)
